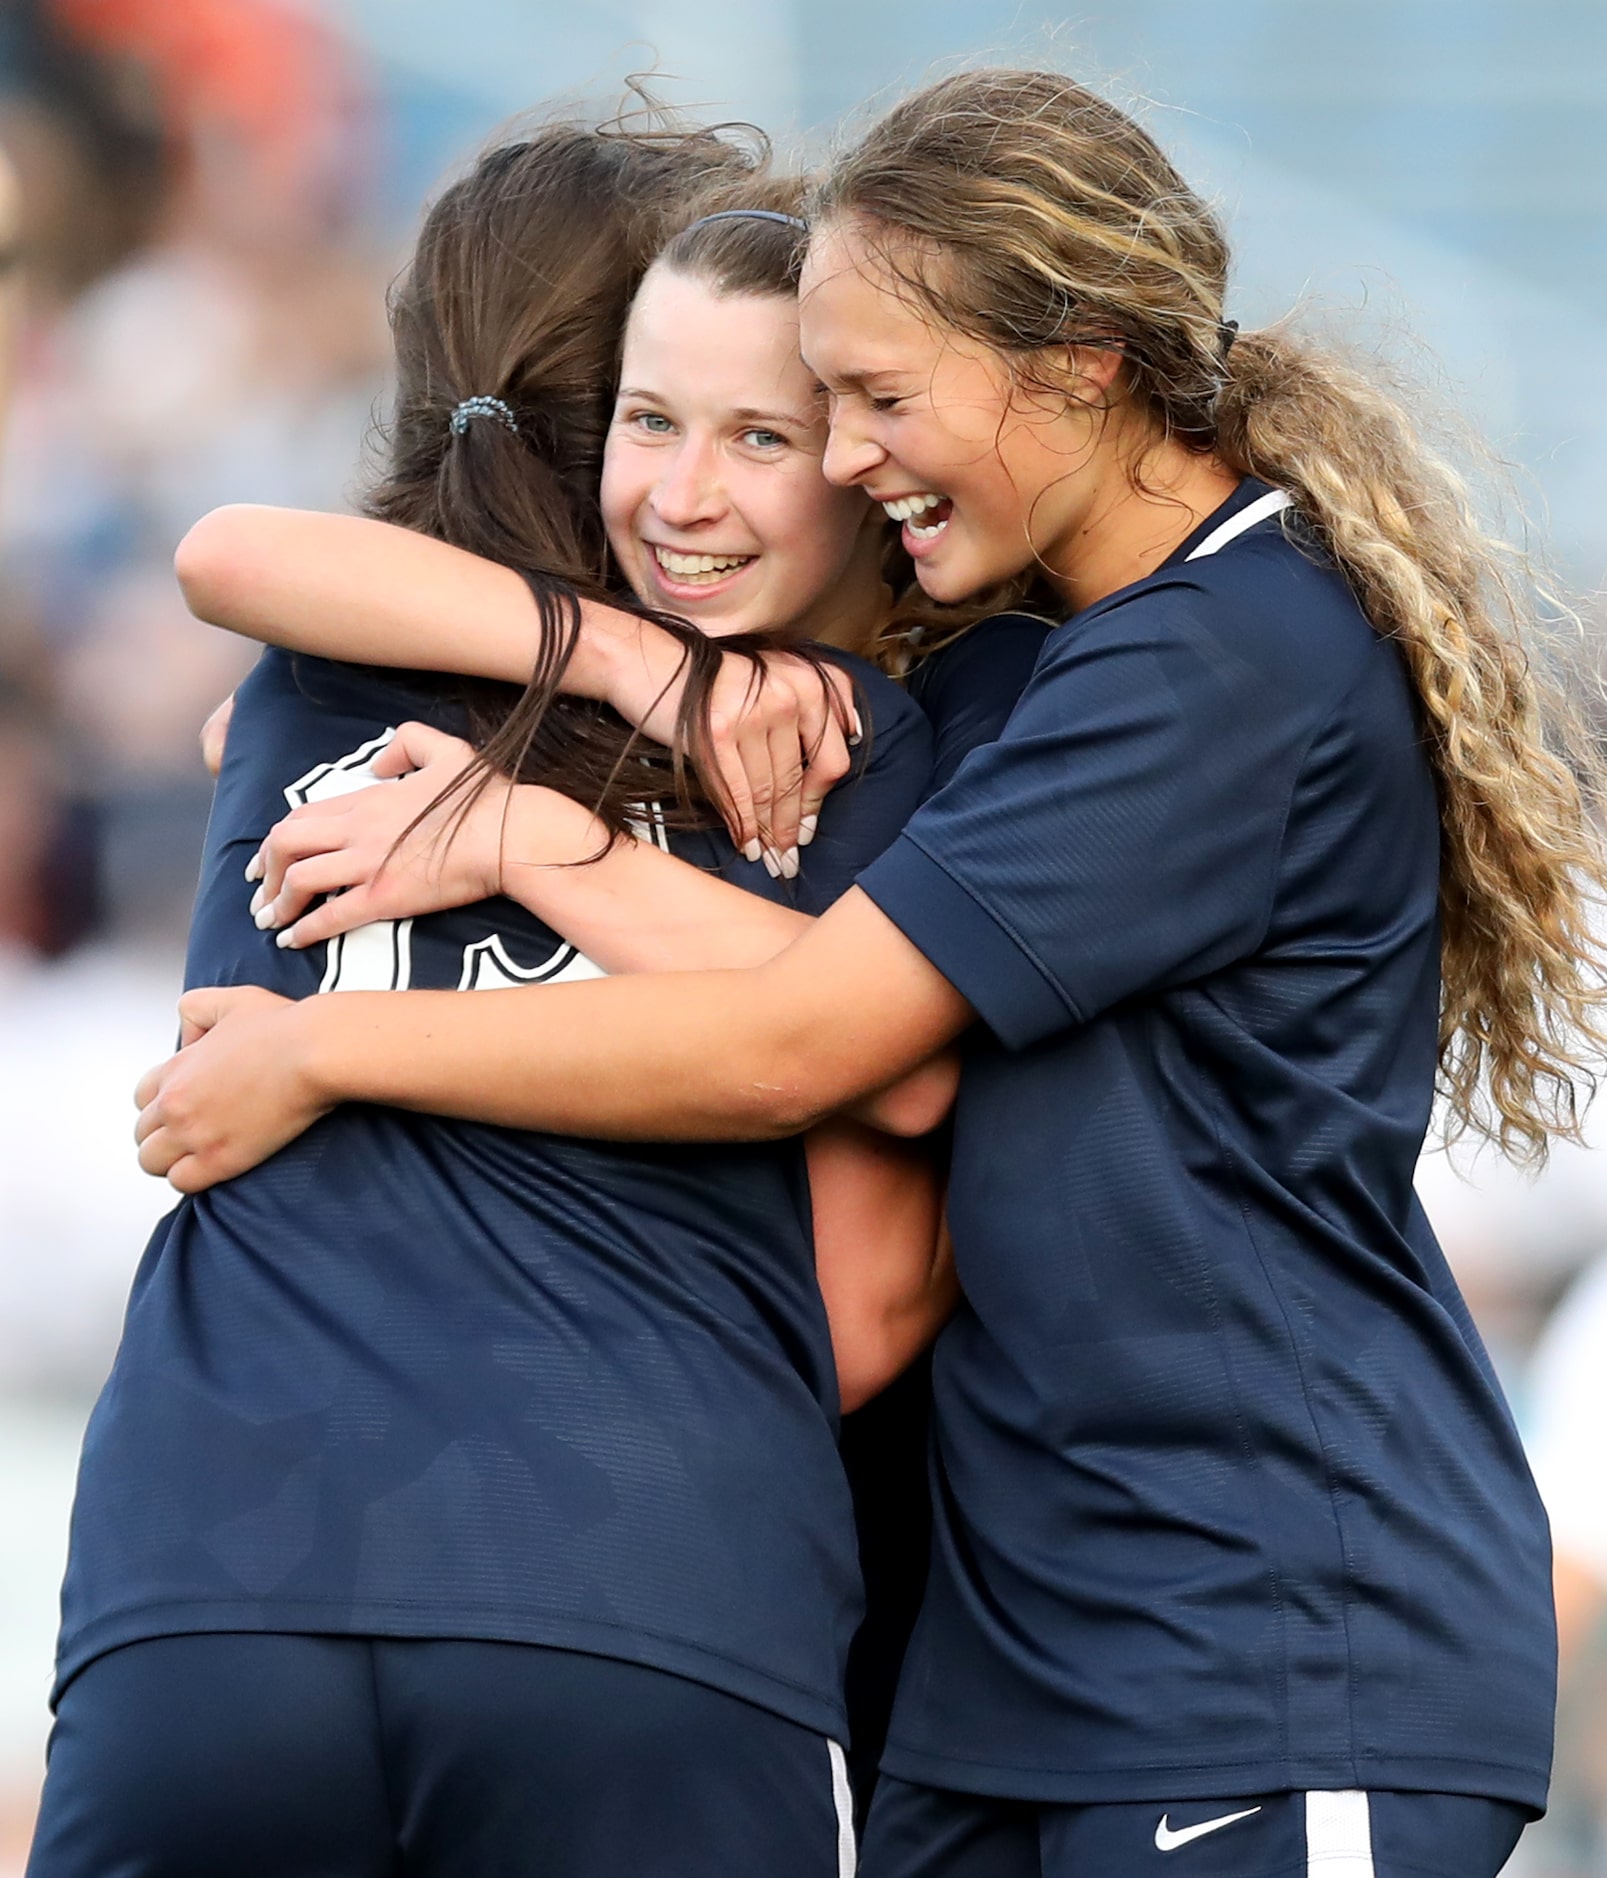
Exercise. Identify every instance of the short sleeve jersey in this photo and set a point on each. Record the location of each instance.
(1228, 1499)
(418, 1377)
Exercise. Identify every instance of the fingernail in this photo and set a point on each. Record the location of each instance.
(857, 733)
(286, 939)
(807, 824)
(254, 867)
(753, 852)
(265, 917)
(789, 864)
(772, 864)
(257, 901)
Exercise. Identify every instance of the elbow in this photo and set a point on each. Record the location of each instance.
(784, 1087)
(773, 1111)
(875, 1357)
(212, 566)
(917, 1103)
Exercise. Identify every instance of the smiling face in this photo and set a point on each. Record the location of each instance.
(984, 476)
(712, 490)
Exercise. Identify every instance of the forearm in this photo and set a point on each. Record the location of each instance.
(347, 587)
(637, 909)
(848, 1008)
(690, 1056)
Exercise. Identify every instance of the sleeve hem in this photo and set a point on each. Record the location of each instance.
(987, 964)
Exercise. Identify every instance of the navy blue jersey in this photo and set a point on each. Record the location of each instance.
(1227, 1496)
(969, 687)
(414, 1377)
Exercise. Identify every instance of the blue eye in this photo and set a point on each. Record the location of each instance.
(654, 422)
(764, 439)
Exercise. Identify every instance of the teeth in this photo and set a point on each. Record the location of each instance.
(684, 566)
(906, 508)
(927, 534)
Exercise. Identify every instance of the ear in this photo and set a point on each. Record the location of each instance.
(1092, 371)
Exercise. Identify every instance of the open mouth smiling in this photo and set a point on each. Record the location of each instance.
(923, 515)
(697, 570)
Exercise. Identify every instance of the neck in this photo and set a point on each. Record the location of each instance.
(1149, 501)
(854, 614)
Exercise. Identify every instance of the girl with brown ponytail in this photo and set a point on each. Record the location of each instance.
(465, 1500)
(1238, 1565)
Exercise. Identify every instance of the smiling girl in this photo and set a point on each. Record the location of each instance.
(452, 1482)
(1239, 1567)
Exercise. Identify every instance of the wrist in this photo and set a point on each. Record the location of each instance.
(546, 829)
(312, 1055)
(607, 639)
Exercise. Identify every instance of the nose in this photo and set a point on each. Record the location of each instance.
(690, 489)
(852, 453)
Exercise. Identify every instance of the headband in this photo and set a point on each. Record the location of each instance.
(751, 215)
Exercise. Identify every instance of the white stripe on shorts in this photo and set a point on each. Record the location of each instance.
(1339, 1836)
(842, 1795)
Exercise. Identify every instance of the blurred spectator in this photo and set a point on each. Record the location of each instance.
(83, 130)
(220, 338)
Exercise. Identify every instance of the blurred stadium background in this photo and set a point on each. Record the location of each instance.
(213, 195)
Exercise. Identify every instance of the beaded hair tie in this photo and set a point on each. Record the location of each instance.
(482, 407)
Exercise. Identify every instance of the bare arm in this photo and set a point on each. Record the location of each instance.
(847, 1009)
(882, 1253)
(631, 908)
(347, 587)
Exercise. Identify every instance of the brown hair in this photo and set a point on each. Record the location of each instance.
(1027, 212)
(517, 293)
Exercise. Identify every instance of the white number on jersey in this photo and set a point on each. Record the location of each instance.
(379, 956)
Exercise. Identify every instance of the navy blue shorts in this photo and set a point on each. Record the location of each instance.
(925, 1832)
(248, 1756)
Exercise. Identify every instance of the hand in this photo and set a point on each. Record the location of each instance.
(365, 850)
(215, 735)
(780, 732)
(237, 1091)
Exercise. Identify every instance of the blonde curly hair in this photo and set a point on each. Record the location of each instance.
(1029, 213)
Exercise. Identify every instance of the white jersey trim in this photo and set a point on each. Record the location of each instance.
(1339, 1836)
(842, 1795)
(1236, 525)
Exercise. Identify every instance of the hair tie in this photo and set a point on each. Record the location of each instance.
(1227, 332)
(483, 407)
(751, 215)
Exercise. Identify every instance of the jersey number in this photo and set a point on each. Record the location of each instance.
(379, 956)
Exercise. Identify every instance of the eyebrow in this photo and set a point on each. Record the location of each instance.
(745, 414)
(857, 381)
(748, 415)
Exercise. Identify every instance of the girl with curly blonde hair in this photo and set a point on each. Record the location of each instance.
(1236, 1547)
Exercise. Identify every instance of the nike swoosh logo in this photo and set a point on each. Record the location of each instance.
(1168, 1841)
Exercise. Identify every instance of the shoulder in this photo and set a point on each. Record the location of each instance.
(284, 685)
(999, 652)
(969, 687)
(1267, 616)
(890, 716)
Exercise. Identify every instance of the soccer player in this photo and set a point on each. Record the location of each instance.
(462, 1499)
(1239, 1566)
(687, 469)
